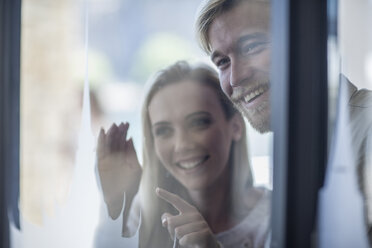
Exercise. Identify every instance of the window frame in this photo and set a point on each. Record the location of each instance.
(10, 33)
(299, 75)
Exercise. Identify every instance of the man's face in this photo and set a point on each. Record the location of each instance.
(241, 45)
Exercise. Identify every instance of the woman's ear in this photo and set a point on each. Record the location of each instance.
(237, 123)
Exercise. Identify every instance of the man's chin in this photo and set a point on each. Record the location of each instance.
(259, 119)
(262, 128)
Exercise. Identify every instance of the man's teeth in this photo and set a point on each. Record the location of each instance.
(255, 93)
(192, 164)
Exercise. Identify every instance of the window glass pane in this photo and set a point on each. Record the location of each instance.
(87, 68)
(350, 110)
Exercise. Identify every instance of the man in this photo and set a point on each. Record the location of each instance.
(236, 35)
(239, 43)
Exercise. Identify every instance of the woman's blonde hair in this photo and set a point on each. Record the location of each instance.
(152, 234)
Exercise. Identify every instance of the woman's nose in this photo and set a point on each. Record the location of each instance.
(183, 141)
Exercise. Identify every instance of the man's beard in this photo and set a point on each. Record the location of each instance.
(259, 117)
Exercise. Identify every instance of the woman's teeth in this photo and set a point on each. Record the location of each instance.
(192, 164)
(255, 93)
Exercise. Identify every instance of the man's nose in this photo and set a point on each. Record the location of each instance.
(240, 73)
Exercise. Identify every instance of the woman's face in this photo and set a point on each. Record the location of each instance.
(191, 134)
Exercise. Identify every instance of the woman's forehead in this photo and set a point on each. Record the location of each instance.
(182, 98)
(184, 92)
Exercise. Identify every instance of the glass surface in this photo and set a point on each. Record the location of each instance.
(84, 66)
(348, 180)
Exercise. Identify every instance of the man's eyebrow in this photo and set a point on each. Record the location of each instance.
(242, 39)
(251, 36)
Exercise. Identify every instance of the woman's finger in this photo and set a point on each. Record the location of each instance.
(164, 219)
(175, 221)
(101, 148)
(123, 130)
(165, 223)
(180, 204)
(116, 139)
(201, 238)
(190, 228)
(131, 154)
(111, 137)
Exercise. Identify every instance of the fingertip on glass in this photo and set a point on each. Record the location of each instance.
(164, 222)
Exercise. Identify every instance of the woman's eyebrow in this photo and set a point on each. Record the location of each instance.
(160, 123)
(197, 114)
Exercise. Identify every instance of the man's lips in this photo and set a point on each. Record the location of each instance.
(188, 164)
(251, 95)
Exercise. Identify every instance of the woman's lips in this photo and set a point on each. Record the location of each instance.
(192, 163)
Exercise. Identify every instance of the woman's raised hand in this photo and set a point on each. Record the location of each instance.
(189, 226)
(118, 167)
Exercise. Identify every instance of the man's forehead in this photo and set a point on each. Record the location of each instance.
(254, 13)
(246, 20)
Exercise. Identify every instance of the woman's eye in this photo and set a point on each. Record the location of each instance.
(201, 122)
(162, 131)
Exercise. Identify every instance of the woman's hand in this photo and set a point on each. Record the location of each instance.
(189, 226)
(118, 167)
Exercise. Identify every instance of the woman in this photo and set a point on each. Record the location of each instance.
(195, 147)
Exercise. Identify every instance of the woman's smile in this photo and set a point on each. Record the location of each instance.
(191, 163)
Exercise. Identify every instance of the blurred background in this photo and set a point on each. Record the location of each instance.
(355, 39)
(128, 40)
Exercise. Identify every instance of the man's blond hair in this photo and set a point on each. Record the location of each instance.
(209, 10)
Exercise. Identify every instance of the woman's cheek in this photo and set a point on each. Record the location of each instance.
(160, 150)
(165, 154)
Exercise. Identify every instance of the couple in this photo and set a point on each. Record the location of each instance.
(237, 36)
(194, 144)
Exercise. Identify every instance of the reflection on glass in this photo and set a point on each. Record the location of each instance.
(348, 181)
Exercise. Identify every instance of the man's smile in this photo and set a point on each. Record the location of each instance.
(254, 94)
(248, 95)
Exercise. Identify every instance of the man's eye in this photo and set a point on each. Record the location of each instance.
(253, 48)
(221, 63)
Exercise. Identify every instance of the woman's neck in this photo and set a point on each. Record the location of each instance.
(213, 204)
